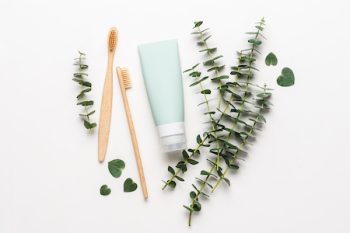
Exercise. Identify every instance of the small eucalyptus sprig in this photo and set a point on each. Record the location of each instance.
(237, 118)
(80, 77)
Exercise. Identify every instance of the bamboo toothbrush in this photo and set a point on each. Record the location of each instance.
(107, 97)
(125, 83)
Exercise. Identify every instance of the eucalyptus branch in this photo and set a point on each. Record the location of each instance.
(228, 150)
(263, 100)
(213, 66)
(212, 62)
(86, 86)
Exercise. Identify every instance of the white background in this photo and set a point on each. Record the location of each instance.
(295, 179)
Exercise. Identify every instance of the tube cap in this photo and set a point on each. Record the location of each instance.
(172, 136)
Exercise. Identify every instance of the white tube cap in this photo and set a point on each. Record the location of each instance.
(172, 136)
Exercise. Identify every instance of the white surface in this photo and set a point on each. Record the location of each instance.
(296, 178)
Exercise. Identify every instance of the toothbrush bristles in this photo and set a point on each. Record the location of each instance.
(112, 40)
(126, 77)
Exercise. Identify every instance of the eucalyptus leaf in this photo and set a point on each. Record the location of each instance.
(172, 184)
(197, 24)
(193, 194)
(206, 91)
(271, 59)
(129, 185)
(105, 190)
(286, 78)
(171, 170)
(115, 167)
(192, 161)
(89, 125)
(86, 103)
(179, 178)
(197, 206)
(255, 42)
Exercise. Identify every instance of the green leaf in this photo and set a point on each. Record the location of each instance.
(205, 173)
(193, 67)
(255, 42)
(196, 206)
(210, 113)
(81, 82)
(261, 118)
(181, 165)
(286, 79)
(206, 91)
(271, 59)
(171, 170)
(83, 66)
(192, 161)
(208, 50)
(172, 184)
(89, 125)
(80, 75)
(193, 195)
(195, 74)
(83, 92)
(220, 78)
(86, 103)
(179, 178)
(197, 24)
(185, 154)
(104, 190)
(199, 81)
(199, 139)
(216, 68)
(264, 95)
(129, 185)
(211, 61)
(227, 181)
(115, 167)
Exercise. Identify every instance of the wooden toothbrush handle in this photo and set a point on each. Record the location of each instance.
(133, 137)
(105, 114)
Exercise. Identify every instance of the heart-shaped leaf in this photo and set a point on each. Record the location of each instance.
(104, 190)
(115, 167)
(286, 78)
(271, 59)
(129, 185)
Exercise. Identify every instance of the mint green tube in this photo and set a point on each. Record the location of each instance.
(163, 80)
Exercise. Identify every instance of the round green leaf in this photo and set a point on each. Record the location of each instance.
(104, 190)
(197, 206)
(172, 184)
(193, 194)
(115, 167)
(129, 185)
(286, 78)
(271, 59)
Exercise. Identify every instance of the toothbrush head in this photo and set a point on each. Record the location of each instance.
(125, 77)
(112, 39)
